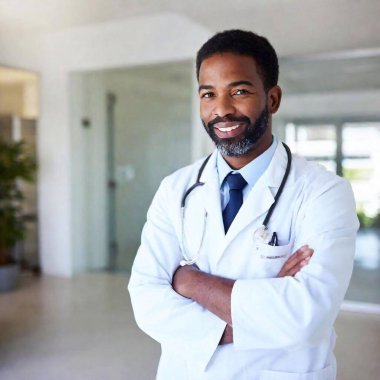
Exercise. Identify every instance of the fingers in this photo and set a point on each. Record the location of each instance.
(295, 269)
(296, 262)
(298, 257)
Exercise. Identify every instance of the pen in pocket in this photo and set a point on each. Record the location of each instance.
(274, 240)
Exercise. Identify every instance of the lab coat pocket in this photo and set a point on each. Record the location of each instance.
(326, 373)
(271, 258)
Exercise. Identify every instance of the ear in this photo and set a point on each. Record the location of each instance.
(274, 99)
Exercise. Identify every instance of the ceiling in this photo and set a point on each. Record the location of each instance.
(292, 25)
(323, 45)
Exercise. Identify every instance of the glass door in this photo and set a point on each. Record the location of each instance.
(149, 112)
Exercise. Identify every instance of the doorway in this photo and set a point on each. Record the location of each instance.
(136, 128)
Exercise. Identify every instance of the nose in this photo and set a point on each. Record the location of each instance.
(223, 106)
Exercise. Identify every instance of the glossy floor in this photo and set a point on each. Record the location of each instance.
(83, 329)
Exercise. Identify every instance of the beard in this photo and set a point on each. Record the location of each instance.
(246, 141)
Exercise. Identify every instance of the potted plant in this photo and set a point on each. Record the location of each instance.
(15, 165)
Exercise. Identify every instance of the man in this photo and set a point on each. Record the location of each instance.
(223, 295)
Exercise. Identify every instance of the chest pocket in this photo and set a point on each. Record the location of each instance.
(270, 259)
(246, 258)
(327, 373)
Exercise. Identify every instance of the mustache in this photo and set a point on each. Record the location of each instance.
(228, 118)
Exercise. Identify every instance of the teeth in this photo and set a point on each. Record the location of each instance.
(229, 129)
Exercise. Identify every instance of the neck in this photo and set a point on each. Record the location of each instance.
(262, 145)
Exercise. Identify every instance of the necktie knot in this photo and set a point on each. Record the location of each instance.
(236, 181)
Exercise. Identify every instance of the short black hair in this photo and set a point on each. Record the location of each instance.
(243, 43)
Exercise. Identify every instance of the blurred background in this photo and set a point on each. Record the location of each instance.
(104, 95)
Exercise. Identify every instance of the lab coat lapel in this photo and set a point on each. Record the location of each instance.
(261, 196)
(209, 198)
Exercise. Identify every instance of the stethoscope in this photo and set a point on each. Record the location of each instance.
(261, 234)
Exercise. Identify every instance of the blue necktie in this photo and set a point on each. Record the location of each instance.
(236, 182)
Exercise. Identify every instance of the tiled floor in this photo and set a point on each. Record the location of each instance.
(79, 329)
(358, 346)
(83, 329)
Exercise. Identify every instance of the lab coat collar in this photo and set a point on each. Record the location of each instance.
(255, 206)
(261, 196)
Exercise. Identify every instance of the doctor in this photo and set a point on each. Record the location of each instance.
(222, 294)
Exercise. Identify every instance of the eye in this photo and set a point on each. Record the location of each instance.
(241, 91)
(207, 95)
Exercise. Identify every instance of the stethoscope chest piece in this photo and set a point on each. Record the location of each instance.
(262, 234)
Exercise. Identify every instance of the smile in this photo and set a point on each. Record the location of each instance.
(228, 129)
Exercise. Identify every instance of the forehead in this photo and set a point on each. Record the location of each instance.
(228, 67)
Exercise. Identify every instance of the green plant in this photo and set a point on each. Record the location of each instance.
(15, 165)
(368, 221)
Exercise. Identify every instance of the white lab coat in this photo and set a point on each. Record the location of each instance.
(283, 327)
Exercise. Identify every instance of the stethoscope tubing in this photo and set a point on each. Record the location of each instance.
(281, 188)
(264, 227)
(196, 184)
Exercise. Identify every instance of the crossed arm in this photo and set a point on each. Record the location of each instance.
(214, 292)
(164, 307)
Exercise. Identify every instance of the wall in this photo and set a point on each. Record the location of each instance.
(136, 41)
(359, 103)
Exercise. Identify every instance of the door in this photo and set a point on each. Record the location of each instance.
(148, 122)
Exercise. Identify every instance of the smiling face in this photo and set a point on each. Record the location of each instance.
(235, 108)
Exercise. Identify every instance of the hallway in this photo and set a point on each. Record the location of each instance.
(83, 329)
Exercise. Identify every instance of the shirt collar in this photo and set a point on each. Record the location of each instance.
(250, 172)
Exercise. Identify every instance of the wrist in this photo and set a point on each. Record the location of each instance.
(183, 280)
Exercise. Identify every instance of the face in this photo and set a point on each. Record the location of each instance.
(235, 108)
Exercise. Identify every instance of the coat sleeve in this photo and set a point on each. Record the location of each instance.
(293, 312)
(176, 322)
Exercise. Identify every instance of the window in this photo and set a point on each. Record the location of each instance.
(314, 142)
(350, 149)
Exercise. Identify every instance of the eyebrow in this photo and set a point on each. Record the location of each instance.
(240, 82)
(205, 87)
(232, 84)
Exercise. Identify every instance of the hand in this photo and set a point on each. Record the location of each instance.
(296, 261)
(228, 336)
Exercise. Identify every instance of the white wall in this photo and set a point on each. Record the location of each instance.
(333, 104)
(139, 40)
(21, 51)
